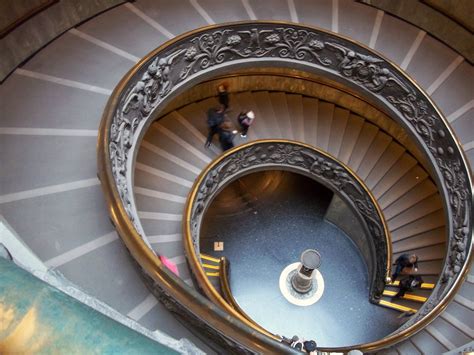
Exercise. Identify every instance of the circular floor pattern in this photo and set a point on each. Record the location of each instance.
(299, 299)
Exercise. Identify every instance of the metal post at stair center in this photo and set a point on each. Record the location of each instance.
(302, 280)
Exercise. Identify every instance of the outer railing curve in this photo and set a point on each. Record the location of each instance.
(198, 54)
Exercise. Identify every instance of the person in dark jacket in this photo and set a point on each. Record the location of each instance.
(223, 95)
(408, 284)
(297, 343)
(405, 264)
(226, 135)
(245, 119)
(215, 117)
(310, 346)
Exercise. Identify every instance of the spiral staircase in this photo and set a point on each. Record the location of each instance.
(51, 107)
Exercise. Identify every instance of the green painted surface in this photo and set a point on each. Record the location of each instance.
(36, 317)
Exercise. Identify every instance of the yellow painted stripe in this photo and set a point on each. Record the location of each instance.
(426, 286)
(398, 307)
(215, 274)
(407, 296)
(210, 258)
(208, 266)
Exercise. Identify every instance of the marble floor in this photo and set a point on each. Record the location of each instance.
(266, 220)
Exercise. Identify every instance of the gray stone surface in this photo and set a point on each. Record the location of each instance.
(173, 147)
(49, 105)
(153, 227)
(438, 24)
(470, 157)
(356, 20)
(30, 162)
(407, 347)
(427, 344)
(315, 13)
(159, 318)
(54, 224)
(153, 182)
(464, 127)
(395, 38)
(110, 267)
(73, 58)
(152, 204)
(175, 18)
(125, 30)
(461, 82)
(225, 10)
(271, 9)
(429, 61)
(44, 27)
(454, 335)
(157, 161)
(462, 313)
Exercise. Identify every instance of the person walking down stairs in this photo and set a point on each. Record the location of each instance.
(405, 264)
(223, 95)
(408, 284)
(215, 117)
(245, 120)
(226, 134)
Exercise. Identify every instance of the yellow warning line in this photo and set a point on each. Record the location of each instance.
(210, 258)
(214, 274)
(407, 296)
(425, 286)
(398, 307)
(208, 266)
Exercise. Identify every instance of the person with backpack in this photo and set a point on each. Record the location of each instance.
(215, 117)
(404, 265)
(245, 119)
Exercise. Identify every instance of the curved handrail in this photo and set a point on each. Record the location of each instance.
(300, 158)
(179, 63)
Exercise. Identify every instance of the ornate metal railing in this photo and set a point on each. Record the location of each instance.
(199, 54)
(302, 159)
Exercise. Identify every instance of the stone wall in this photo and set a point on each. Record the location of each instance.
(40, 29)
(339, 214)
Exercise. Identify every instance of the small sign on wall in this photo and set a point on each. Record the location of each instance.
(218, 246)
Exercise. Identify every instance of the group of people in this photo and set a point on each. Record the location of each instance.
(219, 123)
(406, 267)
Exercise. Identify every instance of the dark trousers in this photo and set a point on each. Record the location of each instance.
(402, 291)
(244, 129)
(398, 270)
(212, 131)
(226, 139)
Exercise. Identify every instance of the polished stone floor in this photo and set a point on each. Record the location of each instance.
(266, 220)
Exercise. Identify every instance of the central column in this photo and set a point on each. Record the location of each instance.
(302, 280)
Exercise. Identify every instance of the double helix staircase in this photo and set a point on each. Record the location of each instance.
(51, 107)
(173, 153)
